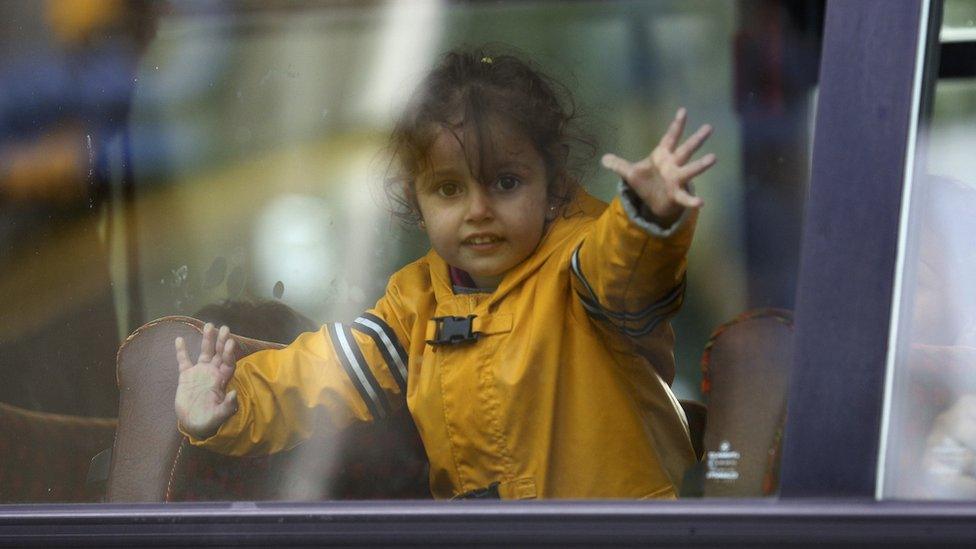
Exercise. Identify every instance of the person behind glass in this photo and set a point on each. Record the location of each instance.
(939, 433)
(531, 344)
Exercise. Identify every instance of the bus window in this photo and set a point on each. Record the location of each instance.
(931, 429)
(227, 161)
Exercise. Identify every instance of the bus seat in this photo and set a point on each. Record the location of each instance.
(745, 377)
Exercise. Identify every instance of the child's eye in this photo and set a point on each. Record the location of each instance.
(507, 183)
(448, 190)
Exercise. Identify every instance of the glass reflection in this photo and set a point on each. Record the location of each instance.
(930, 442)
(162, 158)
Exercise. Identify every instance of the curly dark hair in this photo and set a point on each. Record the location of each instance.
(472, 88)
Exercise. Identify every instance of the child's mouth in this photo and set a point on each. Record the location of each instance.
(482, 242)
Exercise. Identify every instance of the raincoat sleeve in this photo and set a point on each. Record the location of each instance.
(324, 380)
(629, 275)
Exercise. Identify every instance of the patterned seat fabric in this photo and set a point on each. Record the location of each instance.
(745, 377)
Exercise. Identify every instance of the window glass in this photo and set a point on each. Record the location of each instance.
(930, 441)
(229, 162)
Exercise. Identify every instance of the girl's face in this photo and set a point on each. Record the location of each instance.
(485, 228)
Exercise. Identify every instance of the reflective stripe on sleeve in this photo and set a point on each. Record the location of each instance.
(358, 371)
(649, 317)
(388, 344)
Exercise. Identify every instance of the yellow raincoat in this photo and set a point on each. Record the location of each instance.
(564, 393)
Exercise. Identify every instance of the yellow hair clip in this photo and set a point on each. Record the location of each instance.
(487, 60)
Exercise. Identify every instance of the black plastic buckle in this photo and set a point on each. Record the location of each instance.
(453, 330)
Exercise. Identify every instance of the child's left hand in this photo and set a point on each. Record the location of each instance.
(661, 180)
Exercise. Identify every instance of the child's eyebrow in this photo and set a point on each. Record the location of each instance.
(513, 165)
(443, 173)
(430, 178)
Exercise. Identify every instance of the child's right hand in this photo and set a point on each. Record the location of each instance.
(202, 405)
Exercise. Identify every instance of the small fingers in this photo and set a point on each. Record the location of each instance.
(207, 343)
(222, 335)
(617, 165)
(688, 148)
(227, 364)
(227, 354)
(181, 357)
(228, 407)
(675, 129)
(694, 169)
(687, 200)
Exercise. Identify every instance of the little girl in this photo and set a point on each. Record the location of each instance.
(531, 345)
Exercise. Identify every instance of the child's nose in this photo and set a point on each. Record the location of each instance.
(479, 205)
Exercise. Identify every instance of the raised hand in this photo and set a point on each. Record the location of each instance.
(661, 179)
(202, 403)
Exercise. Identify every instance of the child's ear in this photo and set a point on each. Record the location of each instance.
(409, 192)
(552, 212)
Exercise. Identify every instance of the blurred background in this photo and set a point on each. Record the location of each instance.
(160, 157)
